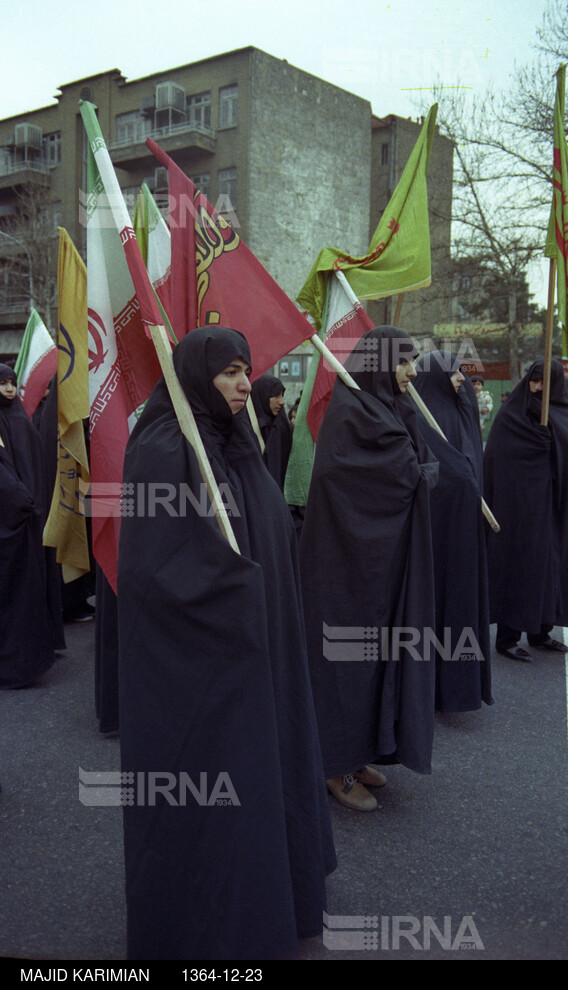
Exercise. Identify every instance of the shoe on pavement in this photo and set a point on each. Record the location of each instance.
(370, 776)
(351, 793)
(550, 644)
(516, 653)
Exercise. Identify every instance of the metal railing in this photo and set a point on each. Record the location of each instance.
(9, 167)
(138, 133)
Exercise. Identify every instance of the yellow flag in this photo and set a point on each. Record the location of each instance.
(66, 526)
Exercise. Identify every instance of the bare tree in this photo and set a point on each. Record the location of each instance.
(30, 266)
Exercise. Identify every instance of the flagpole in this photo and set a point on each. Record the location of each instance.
(398, 310)
(188, 427)
(254, 423)
(420, 402)
(548, 344)
(158, 332)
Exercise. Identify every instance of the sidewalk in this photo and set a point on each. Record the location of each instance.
(469, 862)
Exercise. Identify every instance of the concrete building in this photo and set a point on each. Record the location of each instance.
(294, 161)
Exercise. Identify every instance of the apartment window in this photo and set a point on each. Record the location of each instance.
(384, 154)
(228, 106)
(52, 145)
(202, 182)
(227, 186)
(199, 110)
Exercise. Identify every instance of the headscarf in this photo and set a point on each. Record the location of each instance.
(7, 374)
(455, 412)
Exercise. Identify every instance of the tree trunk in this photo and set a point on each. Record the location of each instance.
(513, 338)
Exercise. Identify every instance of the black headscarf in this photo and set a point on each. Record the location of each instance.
(366, 565)
(31, 629)
(214, 679)
(526, 471)
(276, 430)
(463, 679)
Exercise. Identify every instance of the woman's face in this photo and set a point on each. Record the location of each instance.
(233, 384)
(405, 372)
(8, 388)
(276, 402)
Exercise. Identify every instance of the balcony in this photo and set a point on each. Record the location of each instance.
(130, 149)
(20, 173)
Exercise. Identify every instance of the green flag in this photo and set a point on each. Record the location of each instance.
(398, 259)
(299, 469)
(557, 239)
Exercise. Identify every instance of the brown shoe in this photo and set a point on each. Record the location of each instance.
(370, 776)
(351, 793)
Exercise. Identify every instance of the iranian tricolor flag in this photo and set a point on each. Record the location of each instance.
(155, 244)
(36, 363)
(123, 367)
(344, 321)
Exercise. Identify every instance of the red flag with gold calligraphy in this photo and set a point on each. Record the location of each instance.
(217, 280)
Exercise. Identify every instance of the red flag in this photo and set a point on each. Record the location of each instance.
(216, 279)
(346, 323)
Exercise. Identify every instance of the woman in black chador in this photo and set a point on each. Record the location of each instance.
(367, 573)
(463, 676)
(275, 427)
(230, 863)
(526, 474)
(32, 627)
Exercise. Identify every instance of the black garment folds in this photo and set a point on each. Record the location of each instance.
(215, 700)
(463, 676)
(29, 629)
(276, 430)
(366, 567)
(526, 473)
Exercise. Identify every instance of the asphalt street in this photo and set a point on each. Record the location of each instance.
(469, 862)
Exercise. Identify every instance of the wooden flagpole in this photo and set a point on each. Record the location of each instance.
(188, 427)
(548, 344)
(254, 422)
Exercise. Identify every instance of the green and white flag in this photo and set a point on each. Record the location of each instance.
(36, 363)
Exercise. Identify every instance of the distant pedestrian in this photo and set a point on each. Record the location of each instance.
(275, 427)
(484, 401)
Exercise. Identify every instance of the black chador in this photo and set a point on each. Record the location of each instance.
(526, 477)
(463, 676)
(366, 567)
(214, 690)
(275, 429)
(32, 626)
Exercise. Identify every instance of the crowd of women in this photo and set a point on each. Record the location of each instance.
(266, 676)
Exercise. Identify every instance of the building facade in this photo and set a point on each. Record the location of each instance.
(291, 160)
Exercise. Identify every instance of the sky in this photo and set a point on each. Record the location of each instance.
(388, 53)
